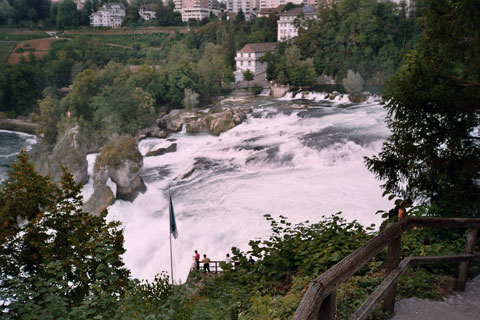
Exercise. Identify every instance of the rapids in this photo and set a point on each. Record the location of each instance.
(300, 156)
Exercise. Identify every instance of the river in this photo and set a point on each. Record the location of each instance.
(300, 158)
(10, 145)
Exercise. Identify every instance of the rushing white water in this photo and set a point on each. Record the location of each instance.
(300, 161)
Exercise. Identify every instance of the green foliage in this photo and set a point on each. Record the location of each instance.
(22, 37)
(433, 103)
(166, 15)
(143, 299)
(353, 83)
(248, 75)
(13, 126)
(308, 249)
(23, 49)
(256, 88)
(47, 120)
(190, 100)
(57, 261)
(20, 87)
(5, 48)
(364, 35)
(117, 151)
(286, 66)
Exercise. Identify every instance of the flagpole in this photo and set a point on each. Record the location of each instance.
(171, 256)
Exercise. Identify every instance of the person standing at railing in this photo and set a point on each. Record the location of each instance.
(228, 260)
(400, 210)
(197, 260)
(206, 263)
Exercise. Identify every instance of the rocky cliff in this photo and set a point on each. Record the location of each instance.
(121, 161)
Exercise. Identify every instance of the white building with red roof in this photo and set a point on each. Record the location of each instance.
(248, 58)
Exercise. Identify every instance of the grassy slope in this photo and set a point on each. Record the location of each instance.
(5, 48)
(5, 36)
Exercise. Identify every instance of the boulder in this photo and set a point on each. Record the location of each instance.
(151, 132)
(175, 120)
(121, 161)
(216, 121)
(197, 126)
(223, 119)
(162, 151)
(99, 201)
(358, 97)
(333, 95)
(70, 151)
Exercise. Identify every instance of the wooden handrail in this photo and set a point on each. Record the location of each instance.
(319, 299)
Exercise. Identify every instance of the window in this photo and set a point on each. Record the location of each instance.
(249, 63)
(241, 63)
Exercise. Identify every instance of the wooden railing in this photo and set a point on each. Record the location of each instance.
(319, 301)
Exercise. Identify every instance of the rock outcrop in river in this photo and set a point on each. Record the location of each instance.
(70, 151)
(215, 121)
(121, 161)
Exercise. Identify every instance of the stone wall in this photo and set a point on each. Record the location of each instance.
(279, 91)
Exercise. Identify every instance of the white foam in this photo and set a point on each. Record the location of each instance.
(222, 205)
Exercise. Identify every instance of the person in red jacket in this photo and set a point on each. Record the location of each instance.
(197, 260)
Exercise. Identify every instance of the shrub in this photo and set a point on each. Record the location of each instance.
(256, 88)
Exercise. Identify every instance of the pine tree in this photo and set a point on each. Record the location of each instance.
(433, 108)
(55, 259)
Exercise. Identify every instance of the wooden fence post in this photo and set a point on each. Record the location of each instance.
(328, 309)
(393, 259)
(469, 246)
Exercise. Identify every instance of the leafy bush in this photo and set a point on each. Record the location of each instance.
(256, 88)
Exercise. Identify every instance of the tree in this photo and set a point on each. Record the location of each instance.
(59, 261)
(190, 100)
(433, 154)
(248, 76)
(240, 16)
(7, 13)
(67, 14)
(47, 120)
(21, 86)
(85, 86)
(145, 107)
(353, 83)
(213, 70)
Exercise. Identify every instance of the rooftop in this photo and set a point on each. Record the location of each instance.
(114, 5)
(258, 47)
(308, 9)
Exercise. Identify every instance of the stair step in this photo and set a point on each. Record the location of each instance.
(459, 306)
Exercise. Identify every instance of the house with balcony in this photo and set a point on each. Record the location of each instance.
(109, 15)
(146, 12)
(248, 58)
(286, 29)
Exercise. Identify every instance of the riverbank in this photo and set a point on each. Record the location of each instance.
(18, 125)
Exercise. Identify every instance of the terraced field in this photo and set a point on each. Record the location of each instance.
(38, 47)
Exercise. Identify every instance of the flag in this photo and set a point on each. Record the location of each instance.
(173, 225)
